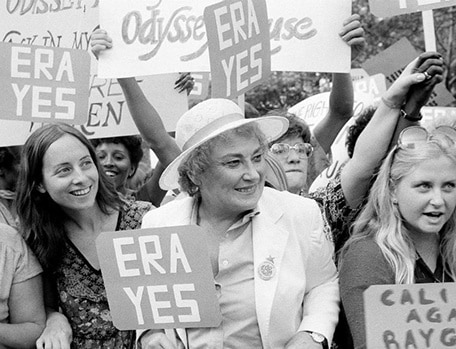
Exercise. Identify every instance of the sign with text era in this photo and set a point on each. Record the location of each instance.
(44, 84)
(239, 46)
(158, 278)
(155, 37)
(411, 316)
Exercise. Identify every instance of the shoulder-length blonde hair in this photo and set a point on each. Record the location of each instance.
(382, 220)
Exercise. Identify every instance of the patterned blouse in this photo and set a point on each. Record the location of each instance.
(82, 294)
(336, 210)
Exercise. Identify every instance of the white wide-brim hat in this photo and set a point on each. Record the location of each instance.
(207, 120)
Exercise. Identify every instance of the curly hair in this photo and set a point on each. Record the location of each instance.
(7, 158)
(131, 143)
(199, 160)
(297, 126)
(355, 130)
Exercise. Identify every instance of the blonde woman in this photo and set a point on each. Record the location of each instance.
(407, 231)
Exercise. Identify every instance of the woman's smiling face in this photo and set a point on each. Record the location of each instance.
(70, 176)
(116, 162)
(235, 180)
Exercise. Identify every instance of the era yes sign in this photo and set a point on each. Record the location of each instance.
(44, 84)
(239, 46)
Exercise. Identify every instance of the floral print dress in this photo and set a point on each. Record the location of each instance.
(82, 295)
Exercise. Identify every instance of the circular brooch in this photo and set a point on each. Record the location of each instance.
(267, 269)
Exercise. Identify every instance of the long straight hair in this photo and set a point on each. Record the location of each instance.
(42, 220)
(381, 219)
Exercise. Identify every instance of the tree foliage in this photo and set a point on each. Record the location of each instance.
(284, 89)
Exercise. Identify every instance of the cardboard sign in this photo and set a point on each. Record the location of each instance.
(168, 36)
(392, 61)
(68, 24)
(358, 74)
(108, 114)
(411, 316)
(44, 84)
(432, 115)
(239, 46)
(200, 89)
(382, 8)
(158, 278)
(373, 85)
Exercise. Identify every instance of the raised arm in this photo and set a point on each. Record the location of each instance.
(149, 122)
(412, 88)
(341, 97)
(145, 116)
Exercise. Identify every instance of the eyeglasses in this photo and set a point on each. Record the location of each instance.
(283, 149)
(413, 136)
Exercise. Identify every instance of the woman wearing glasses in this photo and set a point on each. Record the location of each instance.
(293, 150)
(407, 231)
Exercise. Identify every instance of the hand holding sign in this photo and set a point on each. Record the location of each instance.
(158, 278)
(353, 34)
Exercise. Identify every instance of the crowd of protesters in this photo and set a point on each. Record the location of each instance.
(289, 266)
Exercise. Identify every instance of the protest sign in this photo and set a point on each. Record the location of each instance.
(373, 85)
(44, 84)
(68, 24)
(200, 89)
(312, 109)
(358, 74)
(239, 46)
(393, 60)
(410, 316)
(169, 36)
(108, 114)
(432, 115)
(382, 8)
(158, 278)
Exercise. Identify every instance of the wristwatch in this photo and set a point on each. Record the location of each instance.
(410, 118)
(318, 338)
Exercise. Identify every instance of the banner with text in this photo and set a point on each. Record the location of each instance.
(410, 316)
(44, 84)
(158, 278)
(169, 36)
(68, 24)
(438, 115)
(200, 89)
(239, 46)
(108, 114)
(382, 8)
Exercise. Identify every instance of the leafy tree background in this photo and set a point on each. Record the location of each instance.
(285, 89)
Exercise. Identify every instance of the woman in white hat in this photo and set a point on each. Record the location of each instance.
(275, 278)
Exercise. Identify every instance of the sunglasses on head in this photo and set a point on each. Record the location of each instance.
(413, 136)
(304, 150)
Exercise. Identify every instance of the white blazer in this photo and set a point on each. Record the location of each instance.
(304, 292)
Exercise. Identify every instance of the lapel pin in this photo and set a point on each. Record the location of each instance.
(267, 269)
